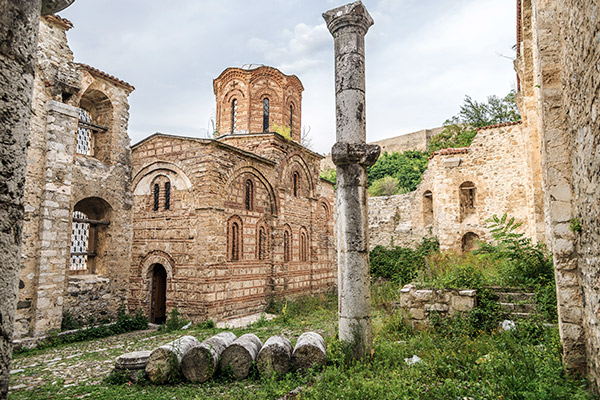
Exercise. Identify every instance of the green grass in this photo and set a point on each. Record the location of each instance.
(457, 363)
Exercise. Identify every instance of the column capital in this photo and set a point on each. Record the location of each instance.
(351, 15)
(354, 153)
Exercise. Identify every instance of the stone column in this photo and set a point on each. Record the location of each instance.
(19, 23)
(55, 223)
(348, 25)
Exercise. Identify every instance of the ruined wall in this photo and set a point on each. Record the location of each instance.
(59, 181)
(581, 79)
(418, 140)
(495, 171)
(192, 239)
(390, 221)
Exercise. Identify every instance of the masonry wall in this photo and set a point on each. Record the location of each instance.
(192, 239)
(581, 80)
(418, 140)
(390, 221)
(59, 181)
(495, 166)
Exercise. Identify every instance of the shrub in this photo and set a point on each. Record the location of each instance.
(174, 321)
(401, 264)
(386, 186)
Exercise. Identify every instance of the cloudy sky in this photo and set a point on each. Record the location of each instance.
(422, 57)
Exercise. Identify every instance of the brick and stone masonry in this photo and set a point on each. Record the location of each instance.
(223, 226)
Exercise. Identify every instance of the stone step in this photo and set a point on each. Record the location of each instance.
(518, 307)
(515, 297)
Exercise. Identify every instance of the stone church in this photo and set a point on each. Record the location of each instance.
(213, 227)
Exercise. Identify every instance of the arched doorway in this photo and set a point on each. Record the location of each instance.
(158, 308)
(469, 242)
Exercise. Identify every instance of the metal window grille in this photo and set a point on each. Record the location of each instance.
(79, 243)
(167, 195)
(233, 115)
(266, 115)
(84, 134)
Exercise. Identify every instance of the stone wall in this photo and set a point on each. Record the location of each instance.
(390, 221)
(60, 181)
(581, 80)
(417, 305)
(89, 298)
(494, 170)
(557, 61)
(418, 140)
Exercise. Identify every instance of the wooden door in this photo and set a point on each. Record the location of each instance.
(158, 313)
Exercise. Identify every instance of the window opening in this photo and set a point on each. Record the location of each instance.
(428, 207)
(286, 246)
(262, 244)
(235, 241)
(467, 199)
(79, 242)
(303, 247)
(295, 183)
(266, 114)
(156, 196)
(249, 195)
(233, 115)
(291, 120)
(167, 195)
(84, 134)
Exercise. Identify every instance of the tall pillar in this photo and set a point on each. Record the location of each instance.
(55, 222)
(348, 24)
(19, 22)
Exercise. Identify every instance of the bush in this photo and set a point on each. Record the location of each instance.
(401, 264)
(174, 321)
(527, 264)
(386, 186)
(407, 168)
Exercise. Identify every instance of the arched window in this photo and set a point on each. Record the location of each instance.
(95, 118)
(428, 207)
(469, 242)
(80, 236)
(249, 194)
(262, 243)
(295, 183)
(90, 230)
(291, 120)
(303, 246)
(266, 114)
(467, 199)
(156, 196)
(167, 195)
(234, 240)
(233, 115)
(287, 255)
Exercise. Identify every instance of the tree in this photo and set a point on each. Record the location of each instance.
(407, 168)
(460, 130)
(496, 111)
